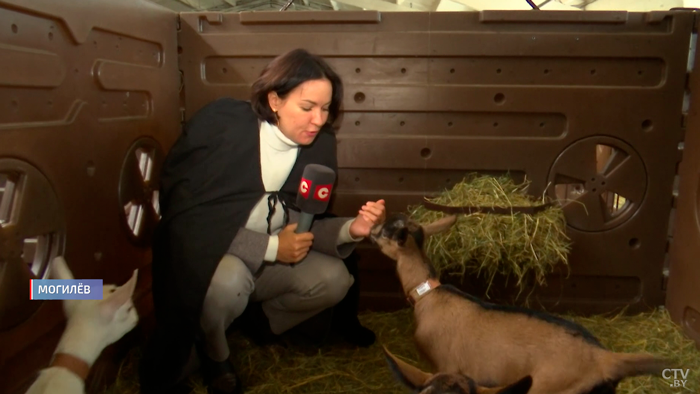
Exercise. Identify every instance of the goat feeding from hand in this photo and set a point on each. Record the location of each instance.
(498, 345)
(91, 326)
(447, 383)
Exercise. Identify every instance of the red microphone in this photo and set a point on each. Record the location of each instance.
(314, 194)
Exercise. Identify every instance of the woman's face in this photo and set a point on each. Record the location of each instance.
(304, 111)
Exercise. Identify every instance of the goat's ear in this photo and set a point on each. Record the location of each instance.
(59, 269)
(522, 386)
(409, 375)
(439, 225)
(110, 305)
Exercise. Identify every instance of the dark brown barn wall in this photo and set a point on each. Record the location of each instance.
(86, 89)
(431, 96)
(683, 292)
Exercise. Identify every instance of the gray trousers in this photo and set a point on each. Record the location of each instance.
(289, 295)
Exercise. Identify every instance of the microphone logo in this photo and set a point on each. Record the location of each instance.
(304, 187)
(323, 192)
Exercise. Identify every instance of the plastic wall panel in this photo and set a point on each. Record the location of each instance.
(683, 292)
(89, 104)
(431, 96)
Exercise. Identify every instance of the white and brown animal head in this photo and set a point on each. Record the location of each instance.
(447, 383)
(104, 321)
(399, 233)
(91, 326)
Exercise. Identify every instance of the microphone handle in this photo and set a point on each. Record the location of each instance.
(304, 222)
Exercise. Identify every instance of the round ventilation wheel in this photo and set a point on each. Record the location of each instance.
(600, 181)
(138, 190)
(32, 233)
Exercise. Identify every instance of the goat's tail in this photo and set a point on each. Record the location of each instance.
(624, 365)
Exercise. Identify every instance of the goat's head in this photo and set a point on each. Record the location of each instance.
(107, 319)
(398, 232)
(447, 383)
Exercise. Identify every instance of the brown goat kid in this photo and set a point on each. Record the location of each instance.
(447, 383)
(498, 345)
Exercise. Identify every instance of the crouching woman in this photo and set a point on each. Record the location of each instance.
(226, 237)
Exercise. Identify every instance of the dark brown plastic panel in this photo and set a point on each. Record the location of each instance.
(683, 292)
(252, 17)
(587, 105)
(89, 103)
(554, 16)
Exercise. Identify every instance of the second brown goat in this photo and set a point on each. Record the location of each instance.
(447, 383)
(498, 345)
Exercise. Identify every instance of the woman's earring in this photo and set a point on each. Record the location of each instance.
(276, 117)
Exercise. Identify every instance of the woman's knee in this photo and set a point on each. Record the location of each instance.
(232, 278)
(227, 296)
(335, 279)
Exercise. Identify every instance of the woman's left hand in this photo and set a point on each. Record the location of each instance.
(371, 213)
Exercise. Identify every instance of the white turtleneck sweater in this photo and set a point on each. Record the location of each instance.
(277, 156)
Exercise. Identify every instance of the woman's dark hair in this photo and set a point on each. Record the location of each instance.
(286, 72)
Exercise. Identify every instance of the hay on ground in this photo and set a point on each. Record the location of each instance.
(518, 244)
(339, 369)
(654, 333)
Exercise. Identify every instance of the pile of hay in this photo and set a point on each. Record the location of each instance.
(339, 369)
(517, 244)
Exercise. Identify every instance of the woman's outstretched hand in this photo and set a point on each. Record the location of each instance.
(370, 214)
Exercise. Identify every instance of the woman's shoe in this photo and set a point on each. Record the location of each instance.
(220, 377)
(356, 334)
(345, 321)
